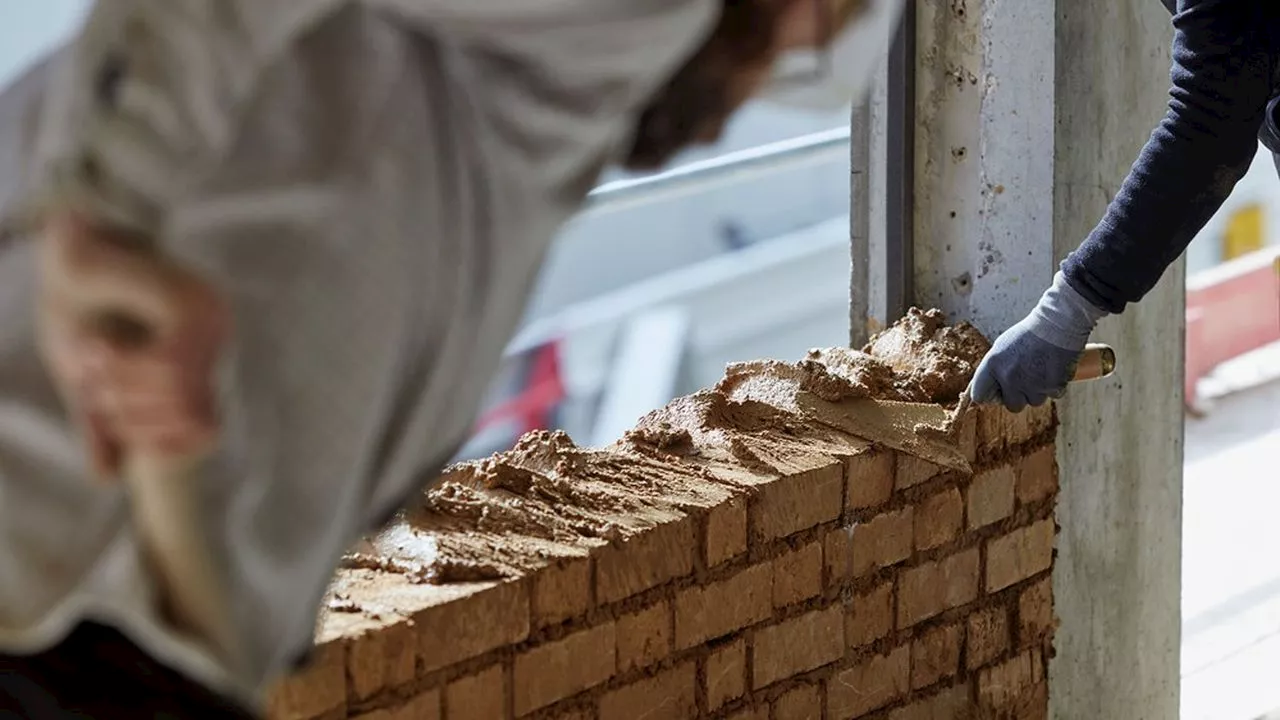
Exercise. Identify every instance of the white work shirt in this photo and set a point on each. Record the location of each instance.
(373, 185)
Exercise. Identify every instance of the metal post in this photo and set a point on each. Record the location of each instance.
(900, 169)
(859, 224)
(730, 167)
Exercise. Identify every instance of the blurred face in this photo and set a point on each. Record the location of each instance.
(736, 61)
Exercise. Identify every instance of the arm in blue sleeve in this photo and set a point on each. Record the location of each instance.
(1223, 64)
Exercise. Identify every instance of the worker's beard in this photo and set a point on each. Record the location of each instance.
(694, 106)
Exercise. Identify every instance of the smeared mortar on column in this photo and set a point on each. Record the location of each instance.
(547, 498)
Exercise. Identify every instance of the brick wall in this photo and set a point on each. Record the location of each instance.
(839, 579)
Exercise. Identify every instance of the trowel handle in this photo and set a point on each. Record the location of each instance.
(168, 519)
(1096, 362)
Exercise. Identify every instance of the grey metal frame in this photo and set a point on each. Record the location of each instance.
(899, 249)
(698, 175)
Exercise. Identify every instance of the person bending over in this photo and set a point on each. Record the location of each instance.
(351, 201)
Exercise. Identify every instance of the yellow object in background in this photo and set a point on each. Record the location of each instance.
(1244, 233)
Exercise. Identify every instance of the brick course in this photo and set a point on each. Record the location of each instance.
(644, 637)
(561, 669)
(706, 613)
(991, 497)
(726, 674)
(798, 645)
(669, 694)
(797, 575)
(870, 616)
(1019, 555)
(802, 703)
(482, 696)
(939, 519)
(854, 581)
(883, 541)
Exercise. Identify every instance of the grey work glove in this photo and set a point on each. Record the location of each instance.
(1034, 360)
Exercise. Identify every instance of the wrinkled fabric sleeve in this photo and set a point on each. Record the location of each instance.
(143, 99)
(1223, 64)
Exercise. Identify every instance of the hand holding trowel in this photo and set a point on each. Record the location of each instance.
(132, 339)
(1096, 362)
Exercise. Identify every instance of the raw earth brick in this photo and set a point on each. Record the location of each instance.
(882, 541)
(644, 637)
(870, 616)
(1037, 476)
(798, 502)
(671, 694)
(999, 428)
(563, 668)
(797, 575)
(988, 636)
(706, 613)
(482, 696)
(319, 689)
(802, 703)
(1005, 686)
(381, 659)
(837, 557)
(869, 685)
(991, 428)
(797, 645)
(1035, 612)
(870, 479)
(425, 706)
(950, 704)
(726, 531)
(561, 591)
(913, 471)
(935, 655)
(991, 497)
(1034, 703)
(1019, 555)
(649, 559)
(1032, 422)
(726, 674)
(938, 519)
(969, 437)
(931, 588)
(475, 624)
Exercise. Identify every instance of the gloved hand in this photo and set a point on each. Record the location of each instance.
(1034, 360)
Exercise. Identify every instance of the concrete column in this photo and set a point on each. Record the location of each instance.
(1118, 580)
(1028, 116)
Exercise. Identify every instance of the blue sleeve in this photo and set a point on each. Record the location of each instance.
(1223, 68)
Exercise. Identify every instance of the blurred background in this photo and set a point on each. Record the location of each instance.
(741, 250)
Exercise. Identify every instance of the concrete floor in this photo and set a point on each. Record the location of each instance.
(1231, 547)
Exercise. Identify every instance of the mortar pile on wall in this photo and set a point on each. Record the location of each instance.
(742, 553)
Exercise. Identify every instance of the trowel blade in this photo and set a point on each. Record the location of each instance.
(892, 424)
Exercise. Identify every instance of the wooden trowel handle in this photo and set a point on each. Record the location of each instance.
(166, 514)
(1096, 362)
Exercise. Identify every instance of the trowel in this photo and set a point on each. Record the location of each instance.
(928, 430)
(1097, 361)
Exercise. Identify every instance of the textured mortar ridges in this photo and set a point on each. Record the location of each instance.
(991, 433)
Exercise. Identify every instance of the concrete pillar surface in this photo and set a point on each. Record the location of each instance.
(1028, 117)
(1118, 578)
